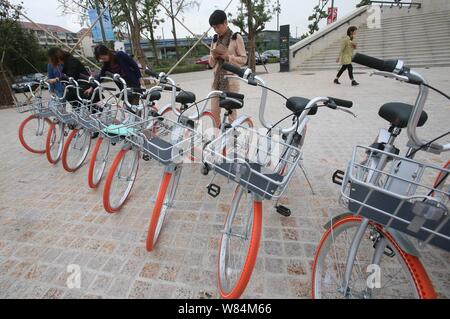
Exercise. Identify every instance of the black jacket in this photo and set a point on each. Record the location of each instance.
(74, 68)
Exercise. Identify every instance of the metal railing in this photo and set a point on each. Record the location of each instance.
(338, 24)
(398, 4)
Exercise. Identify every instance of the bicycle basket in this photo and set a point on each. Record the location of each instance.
(404, 195)
(24, 106)
(84, 118)
(263, 164)
(167, 141)
(115, 124)
(58, 108)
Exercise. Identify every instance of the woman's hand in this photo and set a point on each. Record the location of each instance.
(337, 60)
(225, 56)
(88, 91)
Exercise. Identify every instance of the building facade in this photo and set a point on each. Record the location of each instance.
(45, 40)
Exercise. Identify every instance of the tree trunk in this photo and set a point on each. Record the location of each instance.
(174, 31)
(6, 97)
(153, 43)
(135, 28)
(251, 38)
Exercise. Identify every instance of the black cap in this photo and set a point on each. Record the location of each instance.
(217, 17)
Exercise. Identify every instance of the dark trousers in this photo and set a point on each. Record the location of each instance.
(343, 68)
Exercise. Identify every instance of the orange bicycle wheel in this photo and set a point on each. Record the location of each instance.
(401, 275)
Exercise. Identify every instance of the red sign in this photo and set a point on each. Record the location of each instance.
(332, 16)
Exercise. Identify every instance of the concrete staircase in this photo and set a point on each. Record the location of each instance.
(421, 40)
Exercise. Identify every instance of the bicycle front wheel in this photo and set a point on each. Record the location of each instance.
(55, 142)
(32, 132)
(76, 149)
(163, 205)
(239, 244)
(120, 179)
(98, 162)
(398, 274)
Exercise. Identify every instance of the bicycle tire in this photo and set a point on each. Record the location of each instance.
(421, 285)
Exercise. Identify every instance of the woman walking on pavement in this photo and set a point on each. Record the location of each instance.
(348, 46)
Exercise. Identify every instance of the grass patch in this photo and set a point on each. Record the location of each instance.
(183, 68)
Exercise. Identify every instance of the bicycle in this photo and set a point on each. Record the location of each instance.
(101, 150)
(63, 121)
(115, 125)
(185, 125)
(392, 199)
(78, 143)
(33, 128)
(262, 165)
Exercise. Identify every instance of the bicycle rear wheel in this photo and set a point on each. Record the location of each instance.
(54, 142)
(76, 149)
(401, 275)
(120, 179)
(98, 162)
(239, 244)
(163, 205)
(32, 133)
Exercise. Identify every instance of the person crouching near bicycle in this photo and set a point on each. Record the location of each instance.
(226, 47)
(72, 68)
(120, 63)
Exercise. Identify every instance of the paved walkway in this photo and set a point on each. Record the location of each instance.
(50, 219)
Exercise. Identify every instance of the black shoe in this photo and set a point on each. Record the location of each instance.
(354, 83)
(95, 135)
(336, 81)
(145, 157)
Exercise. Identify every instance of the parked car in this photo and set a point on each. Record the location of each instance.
(204, 60)
(261, 59)
(21, 83)
(272, 53)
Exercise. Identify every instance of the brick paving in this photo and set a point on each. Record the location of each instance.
(50, 219)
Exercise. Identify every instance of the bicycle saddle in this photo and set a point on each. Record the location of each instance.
(297, 105)
(231, 101)
(185, 97)
(398, 114)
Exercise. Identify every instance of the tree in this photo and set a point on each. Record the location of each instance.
(124, 15)
(151, 21)
(22, 53)
(318, 14)
(173, 9)
(251, 20)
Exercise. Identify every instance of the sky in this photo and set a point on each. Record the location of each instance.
(293, 12)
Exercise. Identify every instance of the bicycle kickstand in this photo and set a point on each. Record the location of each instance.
(307, 178)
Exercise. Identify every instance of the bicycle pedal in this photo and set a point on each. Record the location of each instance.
(283, 210)
(338, 177)
(213, 190)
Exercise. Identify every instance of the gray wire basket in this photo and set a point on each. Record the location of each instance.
(37, 106)
(59, 110)
(404, 195)
(166, 141)
(114, 124)
(263, 164)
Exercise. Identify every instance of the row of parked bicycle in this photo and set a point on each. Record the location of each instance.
(393, 199)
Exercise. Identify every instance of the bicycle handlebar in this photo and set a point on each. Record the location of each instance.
(397, 70)
(248, 77)
(393, 66)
